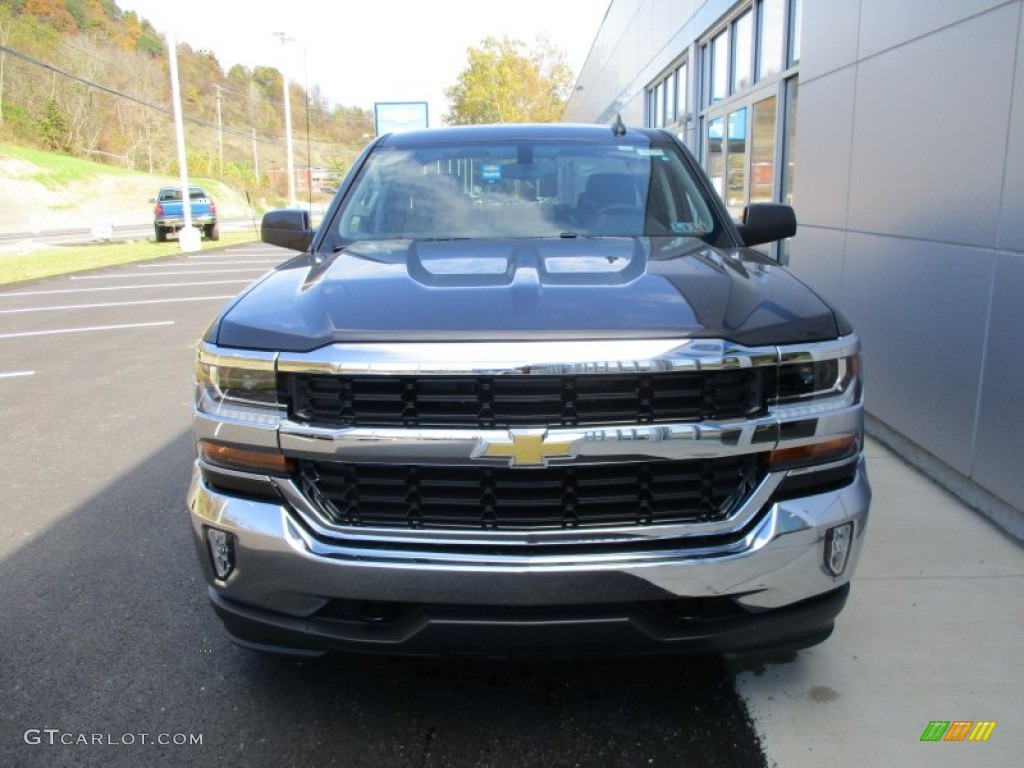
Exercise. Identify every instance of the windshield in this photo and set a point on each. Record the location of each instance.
(524, 189)
(171, 195)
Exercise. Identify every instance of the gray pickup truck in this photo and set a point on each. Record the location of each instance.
(169, 213)
(528, 390)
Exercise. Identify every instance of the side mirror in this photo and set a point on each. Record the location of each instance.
(766, 223)
(152, 201)
(289, 228)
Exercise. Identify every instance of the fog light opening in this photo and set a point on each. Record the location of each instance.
(837, 548)
(222, 552)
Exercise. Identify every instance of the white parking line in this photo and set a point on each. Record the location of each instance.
(279, 257)
(238, 251)
(83, 330)
(119, 288)
(17, 373)
(191, 264)
(166, 274)
(114, 304)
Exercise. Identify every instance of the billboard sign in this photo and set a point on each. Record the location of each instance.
(396, 116)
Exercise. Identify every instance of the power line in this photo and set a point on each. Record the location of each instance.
(30, 21)
(238, 132)
(82, 80)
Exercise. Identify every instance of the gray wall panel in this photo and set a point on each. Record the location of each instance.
(885, 23)
(921, 310)
(633, 110)
(646, 46)
(680, 11)
(909, 191)
(829, 36)
(1011, 221)
(824, 134)
(816, 257)
(999, 457)
(930, 133)
(636, 41)
(605, 74)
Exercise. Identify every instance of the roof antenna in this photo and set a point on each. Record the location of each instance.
(619, 129)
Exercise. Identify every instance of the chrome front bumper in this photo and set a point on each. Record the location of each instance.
(306, 578)
(286, 567)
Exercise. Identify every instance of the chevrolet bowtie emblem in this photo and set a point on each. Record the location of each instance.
(525, 448)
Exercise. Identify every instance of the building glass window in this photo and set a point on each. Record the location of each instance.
(666, 99)
(736, 161)
(745, 89)
(789, 147)
(671, 99)
(762, 151)
(681, 75)
(743, 52)
(771, 25)
(720, 67)
(794, 48)
(715, 158)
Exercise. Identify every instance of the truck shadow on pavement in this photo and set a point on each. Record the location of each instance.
(107, 636)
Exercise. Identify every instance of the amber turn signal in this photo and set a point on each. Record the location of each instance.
(245, 459)
(816, 453)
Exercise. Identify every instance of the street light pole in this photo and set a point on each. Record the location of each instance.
(188, 236)
(287, 122)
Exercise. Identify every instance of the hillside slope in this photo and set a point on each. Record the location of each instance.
(41, 191)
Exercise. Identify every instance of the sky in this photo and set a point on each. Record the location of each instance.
(375, 50)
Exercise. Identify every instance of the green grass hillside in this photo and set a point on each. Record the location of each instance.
(41, 191)
(44, 191)
(55, 171)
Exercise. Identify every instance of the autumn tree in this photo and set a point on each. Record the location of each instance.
(506, 82)
(84, 77)
(54, 12)
(53, 128)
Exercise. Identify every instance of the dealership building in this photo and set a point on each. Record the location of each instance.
(896, 130)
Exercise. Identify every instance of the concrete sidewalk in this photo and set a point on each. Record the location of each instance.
(934, 630)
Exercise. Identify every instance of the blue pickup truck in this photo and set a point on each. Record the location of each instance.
(169, 214)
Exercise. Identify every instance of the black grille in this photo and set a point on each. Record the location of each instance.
(521, 400)
(503, 498)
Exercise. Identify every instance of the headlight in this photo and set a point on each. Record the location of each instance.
(812, 379)
(238, 386)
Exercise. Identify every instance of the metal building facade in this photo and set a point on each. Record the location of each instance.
(899, 138)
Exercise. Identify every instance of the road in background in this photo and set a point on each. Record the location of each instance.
(35, 240)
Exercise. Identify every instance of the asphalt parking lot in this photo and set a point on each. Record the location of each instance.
(106, 630)
(87, 360)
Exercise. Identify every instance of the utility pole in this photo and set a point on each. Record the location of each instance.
(188, 236)
(287, 121)
(309, 153)
(220, 134)
(252, 124)
(5, 33)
